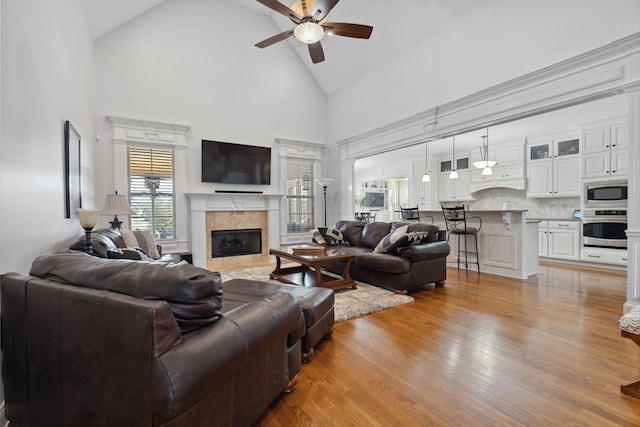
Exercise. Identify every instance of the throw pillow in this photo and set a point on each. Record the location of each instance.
(335, 237)
(390, 238)
(412, 238)
(142, 239)
(128, 253)
(318, 237)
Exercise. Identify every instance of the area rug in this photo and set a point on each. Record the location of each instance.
(349, 304)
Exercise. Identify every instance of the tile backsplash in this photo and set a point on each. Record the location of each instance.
(546, 208)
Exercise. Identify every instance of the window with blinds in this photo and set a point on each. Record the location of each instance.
(151, 191)
(300, 214)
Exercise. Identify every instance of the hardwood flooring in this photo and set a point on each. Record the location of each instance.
(483, 350)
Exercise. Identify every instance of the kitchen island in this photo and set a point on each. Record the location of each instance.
(507, 242)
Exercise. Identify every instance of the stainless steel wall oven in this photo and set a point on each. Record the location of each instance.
(604, 228)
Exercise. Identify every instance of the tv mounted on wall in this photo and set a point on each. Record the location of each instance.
(374, 200)
(227, 163)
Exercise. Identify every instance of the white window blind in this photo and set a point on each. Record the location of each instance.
(300, 195)
(151, 191)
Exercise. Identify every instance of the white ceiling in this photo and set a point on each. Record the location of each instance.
(349, 59)
(107, 15)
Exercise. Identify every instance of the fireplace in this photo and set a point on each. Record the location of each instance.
(226, 243)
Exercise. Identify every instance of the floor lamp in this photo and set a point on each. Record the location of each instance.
(324, 183)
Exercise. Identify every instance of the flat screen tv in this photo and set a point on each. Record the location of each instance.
(227, 163)
(374, 200)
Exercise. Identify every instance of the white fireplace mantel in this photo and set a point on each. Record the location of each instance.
(201, 203)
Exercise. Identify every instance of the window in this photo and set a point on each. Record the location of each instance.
(151, 191)
(300, 200)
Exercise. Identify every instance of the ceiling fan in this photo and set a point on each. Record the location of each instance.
(309, 17)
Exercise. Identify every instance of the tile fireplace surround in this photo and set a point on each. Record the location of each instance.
(232, 211)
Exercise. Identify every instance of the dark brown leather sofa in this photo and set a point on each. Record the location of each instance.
(94, 342)
(407, 267)
(105, 240)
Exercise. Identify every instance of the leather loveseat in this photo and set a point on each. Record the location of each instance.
(106, 243)
(95, 342)
(401, 267)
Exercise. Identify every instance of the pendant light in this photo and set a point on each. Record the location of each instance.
(485, 164)
(425, 177)
(454, 173)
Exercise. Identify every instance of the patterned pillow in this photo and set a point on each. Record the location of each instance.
(390, 238)
(128, 253)
(334, 237)
(142, 239)
(408, 239)
(318, 237)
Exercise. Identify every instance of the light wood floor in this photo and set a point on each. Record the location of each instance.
(481, 351)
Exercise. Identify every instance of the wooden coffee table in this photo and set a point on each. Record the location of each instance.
(309, 272)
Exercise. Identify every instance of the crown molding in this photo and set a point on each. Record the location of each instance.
(606, 71)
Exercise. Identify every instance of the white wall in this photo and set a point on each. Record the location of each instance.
(496, 42)
(46, 72)
(47, 78)
(190, 63)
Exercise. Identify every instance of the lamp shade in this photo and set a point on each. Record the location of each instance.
(88, 218)
(309, 32)
(325, 182)
(116, 204)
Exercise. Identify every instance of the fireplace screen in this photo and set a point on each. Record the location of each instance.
(236, 242)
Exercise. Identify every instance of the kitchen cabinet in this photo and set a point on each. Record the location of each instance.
(553, 168)
(559, 239)
(454, 190)
(543, 238)
(604, 255)
(422, 190)
(605, 150)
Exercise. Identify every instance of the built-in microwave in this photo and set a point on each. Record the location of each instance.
(605, 194)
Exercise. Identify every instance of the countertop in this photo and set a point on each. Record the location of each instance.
(554, 219)
(483, 210)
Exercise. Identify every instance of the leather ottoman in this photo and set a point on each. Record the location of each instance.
(316, 305)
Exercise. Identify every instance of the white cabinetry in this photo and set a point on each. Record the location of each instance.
(603, 255)
(605, 152)
(543, 238)
(454, 190)
(508, 172)
(553, 168)
(422, 190)
(559, 239)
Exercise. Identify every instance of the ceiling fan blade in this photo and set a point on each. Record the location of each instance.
(282, 9)
(305, 12)
(274, 39)
(348, 30)
(316, 52)
(322, 8)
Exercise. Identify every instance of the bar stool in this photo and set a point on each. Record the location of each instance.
(412, 215)
(456, 223)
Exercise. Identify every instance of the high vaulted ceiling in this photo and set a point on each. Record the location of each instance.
(396, 25)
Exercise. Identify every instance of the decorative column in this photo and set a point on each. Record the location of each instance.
(633, 212)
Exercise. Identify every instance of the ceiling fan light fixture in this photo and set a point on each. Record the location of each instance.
(487, 171)
(308, 32)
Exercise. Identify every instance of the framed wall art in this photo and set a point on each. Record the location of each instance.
(73, 185)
